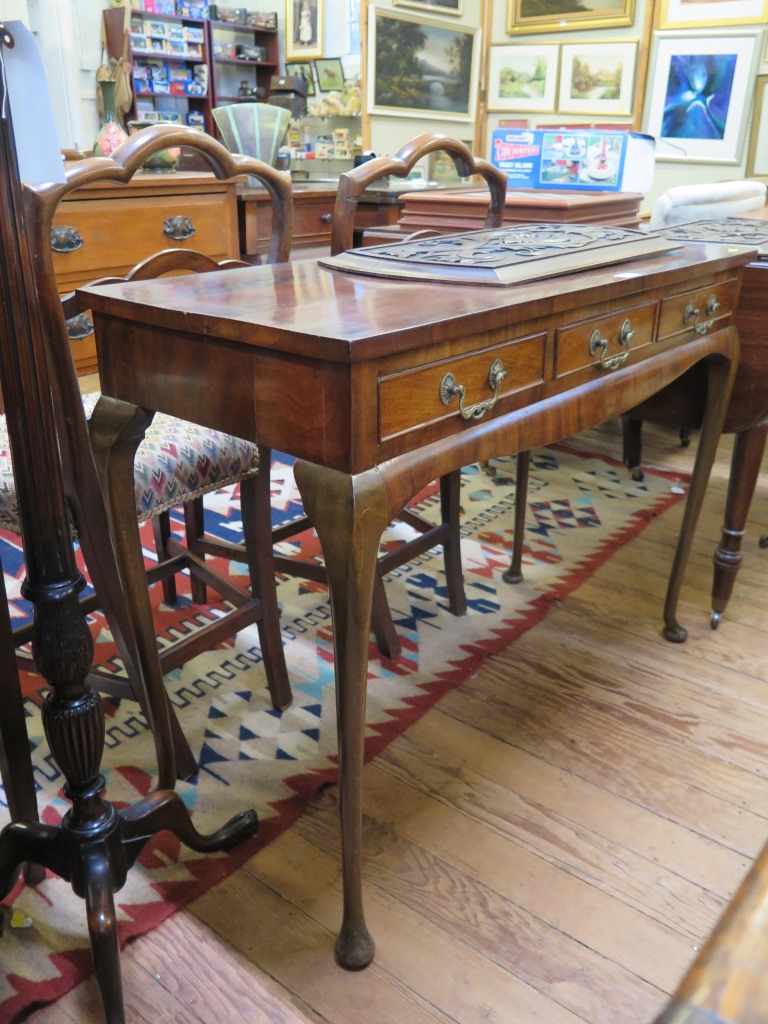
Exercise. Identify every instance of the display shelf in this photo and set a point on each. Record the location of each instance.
(171, 69)
(229, 71)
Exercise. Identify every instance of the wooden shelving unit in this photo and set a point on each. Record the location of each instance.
(228, 70)
(171, 67)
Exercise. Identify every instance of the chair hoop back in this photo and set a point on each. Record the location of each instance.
(353, 183)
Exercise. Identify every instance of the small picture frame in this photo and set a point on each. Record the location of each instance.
(597, 78)
(304, 20)
(523, 77)
(330, 74)
(302, 69)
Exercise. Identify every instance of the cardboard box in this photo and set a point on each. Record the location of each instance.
(583, 160)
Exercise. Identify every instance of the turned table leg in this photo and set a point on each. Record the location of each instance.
(745, 467)
(350, 514)
(720, 373)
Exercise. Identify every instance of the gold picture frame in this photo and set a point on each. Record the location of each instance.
(526, 16)
(399, 45)
(453, 7)
(757, 155)
(705, 13)
(304, 22)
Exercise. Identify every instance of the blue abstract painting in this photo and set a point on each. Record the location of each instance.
(698, 96)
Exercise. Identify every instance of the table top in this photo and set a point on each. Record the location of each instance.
(306, 309)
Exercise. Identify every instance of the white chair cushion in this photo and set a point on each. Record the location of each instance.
(176, 462)
(686, 203)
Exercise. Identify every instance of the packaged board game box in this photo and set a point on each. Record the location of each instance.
(583, 160)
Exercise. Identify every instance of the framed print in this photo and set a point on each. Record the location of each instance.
(597, 78)
(421, 68)
(330, 74)
(302, 69)
(757, 157)
(703, 13)
(561, 15)
(699, 94)
(432, 6)
(304, 21)
(522, 77)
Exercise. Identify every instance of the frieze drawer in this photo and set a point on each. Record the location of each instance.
(699, 311)
(604, 342)
(464, 386)
(112, 234)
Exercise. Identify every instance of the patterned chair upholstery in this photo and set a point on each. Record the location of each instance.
(177, 461)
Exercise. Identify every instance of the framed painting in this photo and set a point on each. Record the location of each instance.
(522, 77)
(304, 20)
(699, 96)
(330, 74)
(703, 13)
(432, 6)
(421, 68)
(597, 78)
(561, 15)
(302, 69)
(757, 157)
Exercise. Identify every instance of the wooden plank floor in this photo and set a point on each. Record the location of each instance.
(549, 845)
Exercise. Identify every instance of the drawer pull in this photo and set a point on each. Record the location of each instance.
(449, 389)
(66, 239)
(326, 218)
(599, 344)
(691, 315)
(178, 228)
(79, 327)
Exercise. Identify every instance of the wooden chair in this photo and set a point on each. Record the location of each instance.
(352, 184)
(81, 480)
(728, 981)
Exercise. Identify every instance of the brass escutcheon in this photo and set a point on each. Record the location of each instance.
(178, 228)
(449, 389)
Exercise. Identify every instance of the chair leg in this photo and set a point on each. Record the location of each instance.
(450, 510)
(514, 573)
(257, 534)
(161, 531)
(15, 761)
(631, 430)
(382, 625)
(194, 526)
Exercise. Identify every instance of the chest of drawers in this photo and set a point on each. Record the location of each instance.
(106, 229)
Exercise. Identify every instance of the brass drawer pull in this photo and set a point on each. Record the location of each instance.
(178, 228)
(599, 344)
(449, 389)
(79, 327)
(66, 239)
(691, 315)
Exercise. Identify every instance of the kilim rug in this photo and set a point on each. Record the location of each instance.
(581, 508)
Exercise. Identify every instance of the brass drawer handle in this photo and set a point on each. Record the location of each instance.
(79, 327)
(178, 228)
(449, 389)
(691, 315)
(599, 344)
(66, 239)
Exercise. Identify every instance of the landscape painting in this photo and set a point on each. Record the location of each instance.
(597, 78)
(522, 78)
(561, 15)
(419, 67)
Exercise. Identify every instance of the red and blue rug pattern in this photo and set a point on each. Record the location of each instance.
(580, 509)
